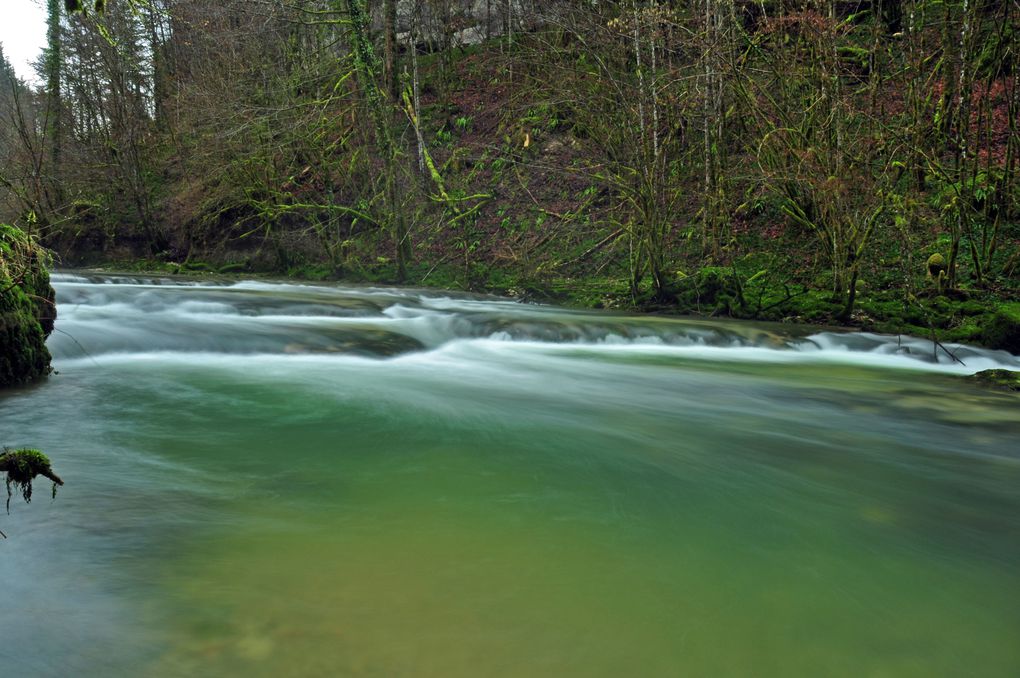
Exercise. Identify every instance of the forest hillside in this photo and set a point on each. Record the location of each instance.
(840, 162)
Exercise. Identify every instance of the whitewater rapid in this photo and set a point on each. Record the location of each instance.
(129, 319)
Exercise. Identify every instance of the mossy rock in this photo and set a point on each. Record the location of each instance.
(936, 264)
(237, 267)
(1001, 380)
(197, 267)
(711, 290)
(812, 306)
(972, 308)
(27, 308)
(1002, 328)
(967, 332)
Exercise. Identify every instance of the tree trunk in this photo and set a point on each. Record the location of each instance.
(390, 48)
(53, 64)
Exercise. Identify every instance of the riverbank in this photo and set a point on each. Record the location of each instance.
(27, 308)
(532, 198)
(980, 318)
(550, 227)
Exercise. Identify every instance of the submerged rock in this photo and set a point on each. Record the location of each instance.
(1002, 380)
(27, 308)
(361, 341)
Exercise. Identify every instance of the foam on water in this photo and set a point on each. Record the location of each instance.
(113, 318)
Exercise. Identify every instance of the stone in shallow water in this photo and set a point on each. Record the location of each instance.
(1002, 380)
(360, 341)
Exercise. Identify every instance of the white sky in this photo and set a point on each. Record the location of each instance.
(23, 33)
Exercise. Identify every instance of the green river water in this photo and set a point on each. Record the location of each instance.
(284, 480)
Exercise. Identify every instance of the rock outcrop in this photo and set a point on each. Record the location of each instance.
(27, 308)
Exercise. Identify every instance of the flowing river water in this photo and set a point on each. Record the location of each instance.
(295, 480)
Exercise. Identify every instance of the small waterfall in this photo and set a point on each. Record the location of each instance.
(109, 315)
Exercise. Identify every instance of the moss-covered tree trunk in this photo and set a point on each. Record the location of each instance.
(53, 62)
(366, 63)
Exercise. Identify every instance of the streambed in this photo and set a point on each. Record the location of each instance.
(270, 479)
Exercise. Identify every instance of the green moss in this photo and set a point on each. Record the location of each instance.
(1002, 380)
(936, 264)
(972, 308)
(197, 267)
(22, 467)
(27, 308)
(968, 332)
(315, 272)
(712, 290)
(1002, 328)
(146, 266)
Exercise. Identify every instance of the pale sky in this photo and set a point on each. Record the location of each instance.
(23, 33)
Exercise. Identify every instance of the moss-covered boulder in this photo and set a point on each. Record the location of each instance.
(1001, 380)
(27, 308)
(711, 290)
(1002, 329)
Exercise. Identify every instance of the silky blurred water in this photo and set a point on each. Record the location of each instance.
(282, 480)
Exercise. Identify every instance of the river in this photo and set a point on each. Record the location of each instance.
(273, 479)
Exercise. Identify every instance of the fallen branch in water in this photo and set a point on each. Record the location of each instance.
(22, 467)
(936, 345)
